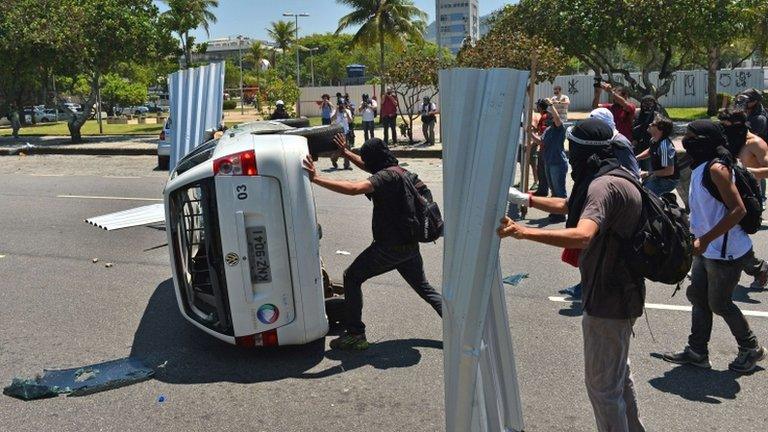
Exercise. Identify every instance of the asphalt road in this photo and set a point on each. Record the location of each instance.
(61, 310)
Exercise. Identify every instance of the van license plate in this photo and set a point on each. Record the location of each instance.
(258, 254)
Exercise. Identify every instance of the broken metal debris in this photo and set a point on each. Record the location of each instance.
(515, 279)
(95, 260)
(108, 265)
(342, 252)
(80, 381)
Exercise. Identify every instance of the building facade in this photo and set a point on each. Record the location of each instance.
(455, 21)
(226, 49)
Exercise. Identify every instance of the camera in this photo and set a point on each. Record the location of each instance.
(598, 82)
(366, 102)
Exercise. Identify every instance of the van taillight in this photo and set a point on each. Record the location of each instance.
(238, 164)
(265, 339)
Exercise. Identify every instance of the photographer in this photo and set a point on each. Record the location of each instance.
(326, 108)
(389, 116)
(368, 111)
(343, 117)
(428, 120)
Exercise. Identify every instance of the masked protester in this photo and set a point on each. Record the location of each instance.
(721, 249)
(641, 137)
(752, 152)
(751, 101)
(601, 210)
(393, 247)
(663, 174)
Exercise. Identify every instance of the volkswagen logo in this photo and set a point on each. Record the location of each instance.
(232, 259)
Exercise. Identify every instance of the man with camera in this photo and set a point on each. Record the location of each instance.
(389, 116)
(428, 120)
(326, 108)
(620, 106)
(561, 103)
(368, 111)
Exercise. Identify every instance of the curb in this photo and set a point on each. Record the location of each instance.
(118, 151)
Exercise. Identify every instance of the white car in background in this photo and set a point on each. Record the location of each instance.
(46, 116)
(164, 145)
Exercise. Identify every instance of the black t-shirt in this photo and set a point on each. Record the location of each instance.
(389, 205)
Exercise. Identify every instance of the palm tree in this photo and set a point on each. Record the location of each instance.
(255, 54)
(393, 21)
(186, 15)
(283, 34)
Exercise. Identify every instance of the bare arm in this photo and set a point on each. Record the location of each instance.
(644, 155)
(759, 149)
(571, 238)
(760, 173)
(721, 177)
(665, 172)
(338, 186)
(550, 204)
(555, 116)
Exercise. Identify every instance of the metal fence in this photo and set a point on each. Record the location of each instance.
(689, 89)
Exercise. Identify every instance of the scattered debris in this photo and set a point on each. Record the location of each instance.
(515, 279)
(20, 150)
(95, 260)
(162, 365)
(108, 265)
(161, 399)
(343, 252)
(80, 381)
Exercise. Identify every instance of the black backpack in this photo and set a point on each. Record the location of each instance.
(661, 249)
(749, 189)
(425, 222)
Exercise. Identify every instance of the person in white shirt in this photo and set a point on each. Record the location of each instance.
(561, 103)
(343, 117)
(428, 120)
(368, 110)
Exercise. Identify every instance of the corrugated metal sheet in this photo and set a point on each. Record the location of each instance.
(146, 215)
(481, 137)
(196, 97)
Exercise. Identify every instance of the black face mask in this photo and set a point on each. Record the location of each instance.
(737, 137)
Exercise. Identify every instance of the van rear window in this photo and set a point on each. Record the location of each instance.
(197, 156)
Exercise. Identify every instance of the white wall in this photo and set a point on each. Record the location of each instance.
(689, 89)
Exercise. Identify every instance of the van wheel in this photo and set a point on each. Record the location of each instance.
(300, 122)
(334, 309)
(163, 162)
(319, 138)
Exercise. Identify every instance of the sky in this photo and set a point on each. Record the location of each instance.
(251, 17)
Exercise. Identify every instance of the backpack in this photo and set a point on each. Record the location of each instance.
(661, 249)
(749, 189)
(425, 222)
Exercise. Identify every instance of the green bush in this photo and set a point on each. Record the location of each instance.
(230, 104)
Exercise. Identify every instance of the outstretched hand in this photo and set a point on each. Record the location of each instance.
(341, 142)
(309, 166)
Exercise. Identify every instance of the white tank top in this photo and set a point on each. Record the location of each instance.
(706, 212)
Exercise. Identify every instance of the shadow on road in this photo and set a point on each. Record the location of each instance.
(697, 384)
(573, 310)
(195, 357)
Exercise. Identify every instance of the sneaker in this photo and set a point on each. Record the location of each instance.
(687, 356)
(349, 341)
(573, 292)
(761, 280)
(747, 359)
(335, 165)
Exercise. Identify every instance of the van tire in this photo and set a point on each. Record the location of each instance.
(300, 122)
(163, 162)
(334, 309)
(319, 138)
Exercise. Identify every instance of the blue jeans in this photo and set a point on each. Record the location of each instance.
(555, 174)
(659, 186)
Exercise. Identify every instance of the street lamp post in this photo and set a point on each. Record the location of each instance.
(240, 54)
(298, 78)
(312, 63)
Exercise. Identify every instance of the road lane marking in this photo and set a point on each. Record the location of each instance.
(108, 198)
(48, 175)
(665, 307)
(122, 177)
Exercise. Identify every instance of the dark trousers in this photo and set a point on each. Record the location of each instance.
(711, 291)
(326, 121)
(753, 266)
(376, 260)
(368, 129)
(541, 171)
(389, 123)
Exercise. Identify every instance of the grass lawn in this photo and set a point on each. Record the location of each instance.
(687, 114)
(91, 127)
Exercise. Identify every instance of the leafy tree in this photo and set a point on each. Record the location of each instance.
(380, 21)
(413, 77)
(601, 35)
(505, 46)
(118, 91)
(283, 33)
(185, 16)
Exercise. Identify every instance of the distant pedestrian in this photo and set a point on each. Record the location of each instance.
(428, 120)
(561, 103)
(553, 155)
(389, 116)
(664, 174)
(622, 109)
(342, 117)
(13, 117)
(604, 207)
(540, 185)
(368, 112)
(721, 249)
(394, 246)
(326, 108)
(280, 112)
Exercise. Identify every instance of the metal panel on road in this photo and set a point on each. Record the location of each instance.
(196, 97)
(146, 215)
